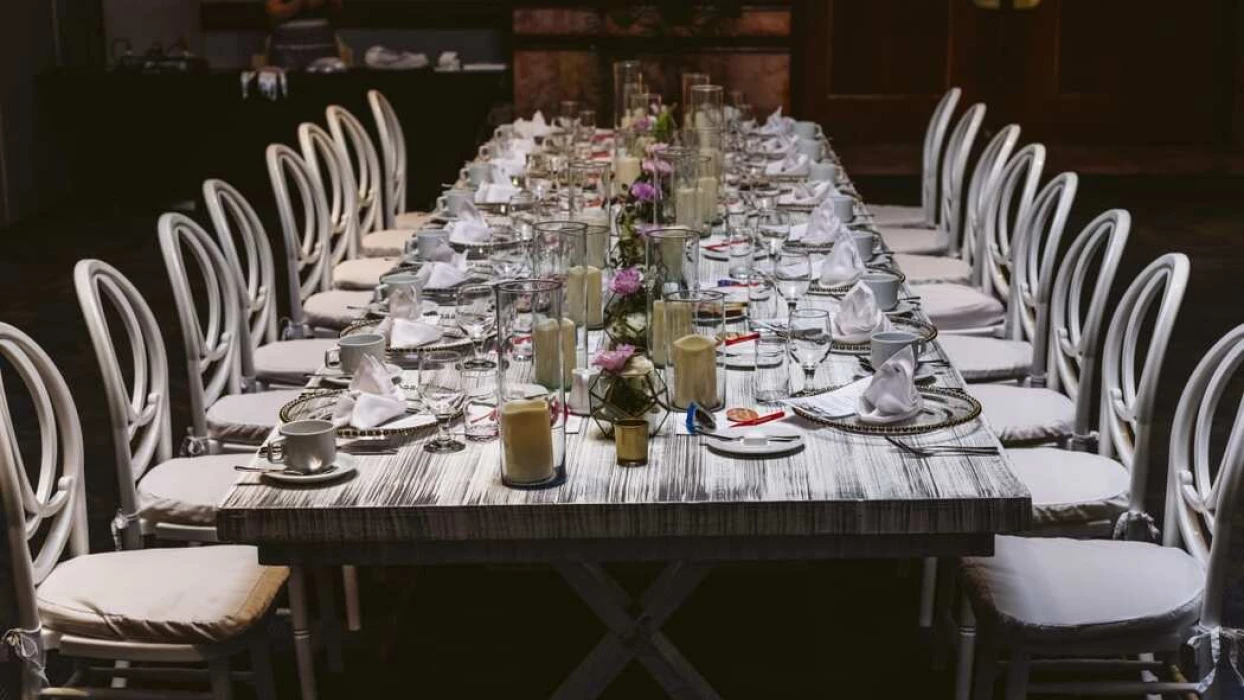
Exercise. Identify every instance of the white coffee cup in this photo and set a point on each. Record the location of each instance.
(884, 286)
(883, 344)
(306, 446)
(351, 350)
(454, 201)
(823, 171)
(844, 207)
(477, 173)
(812, 148)
(865, 242)
(807, 130)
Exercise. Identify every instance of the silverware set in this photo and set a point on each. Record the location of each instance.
(943, 450)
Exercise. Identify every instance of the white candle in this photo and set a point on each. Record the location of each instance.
(625, 171)
(656, 335)
(708, 198)
(527, 438)
(597, 244)
(687, 206)
(694, 358)
(544, 339)
(583, 294)
(669, 320)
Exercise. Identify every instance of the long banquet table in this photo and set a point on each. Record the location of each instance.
(844, 496)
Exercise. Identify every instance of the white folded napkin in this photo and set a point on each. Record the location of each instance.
(411, 334)
(778, 145)
(807, 193)
(441, 251)
(441, 275)
(792, 164)
(468, 231)
(404, 303)
(531, 128)
(495, 193)
(892, 394)
(858, 316)
(777, 124)
(823, 227)
(520, 147)
(372, 399)
(842, 266)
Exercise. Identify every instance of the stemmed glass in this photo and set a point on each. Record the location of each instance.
(476, 313)
(810, 340)
(440, 388)
(511, 261)
(568, 114)
(792, 275)
(587, 125)
(772, 226)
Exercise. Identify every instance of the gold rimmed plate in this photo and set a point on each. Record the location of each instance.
(452, 338)
(926, 331)
(318, 405)
(940, 409)
(837, 291)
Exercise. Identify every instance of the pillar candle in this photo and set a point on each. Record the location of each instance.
(708, 198)
(656, 334)
(669, 320)
(527, 438)
(597, 245)
(625, 171)
(687, 206)
(544, 338)
(694, 358)
(583, 295)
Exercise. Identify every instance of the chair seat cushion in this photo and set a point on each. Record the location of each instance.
(191, 595)
(987, 359)
(288, 362)
(897, 215)
(958, 307)
(412, 220)
(247, 418)
(1071, 487)
(915, 241)
(361, 273)
(331, 309)
(932, 269)
(1054, 589)
(1022, 415)
(186, 490)
(389, 243)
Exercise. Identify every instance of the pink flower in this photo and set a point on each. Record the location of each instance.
(644, 191)
(642, 123)
(657, 165)
(626, 282)
(614, 360)
(656, 149)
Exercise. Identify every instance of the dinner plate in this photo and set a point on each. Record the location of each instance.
(736, 448)
(335, 376)
(940, 409)
(724, 256)
(343, 466)
(380, 309)
(319, 405)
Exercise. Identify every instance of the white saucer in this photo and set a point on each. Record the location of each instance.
(333, 375)
(381, 308)
(771, 449)
(344, 466)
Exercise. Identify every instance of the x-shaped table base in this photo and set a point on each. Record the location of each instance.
(635, 631)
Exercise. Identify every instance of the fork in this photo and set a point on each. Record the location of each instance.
(934, 450)
(736, 438)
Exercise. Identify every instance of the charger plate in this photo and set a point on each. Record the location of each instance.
(842, 289)
(926, 331)
(941, 409)
(452, 338)
(319, 403)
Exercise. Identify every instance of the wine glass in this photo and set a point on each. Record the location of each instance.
(568, 114)
(792, 275)
(810, 340)
(440, 388)
(741, 245)
(587, 124)
(476, 314)
(773, 226)
(511, 260)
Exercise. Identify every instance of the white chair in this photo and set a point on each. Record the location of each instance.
(961, 308)
(246, 248)
(393, 156)
(924, 269)
(377, 241)
(314, 303)
(942, 238)
(218, 349)
(330, 166)
(195, 605)
(1023, 352)
(1050, 410)
(925, 215)
(1123, 603)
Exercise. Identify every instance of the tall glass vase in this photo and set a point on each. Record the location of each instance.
(560, 247)
(672, 265)
(695, 324)
(625, 73)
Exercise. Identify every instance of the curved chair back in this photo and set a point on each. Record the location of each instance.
(306, 237)
(1127, 395)
(215, 358)
(985, 177)
(352, 137)
(330, 166)
(1033, 273)
(138, 407)
(393, 155)
(1008, 207)
(1075, 329)
(931, 157)
(48, 519)
(235, 221)
(954, 165)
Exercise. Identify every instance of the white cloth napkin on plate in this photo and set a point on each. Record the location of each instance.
(495, 193)
(892, 394)
(441, 275)
(403, 326)
(505, 167)
(520, 147)
(470, 226)
(777, 124)
(372, 399)
(807, 193)
(778, 145)
(792, 164)
(842, 266)
(531, 128)
(440, 252)
(823, 227)
(858, 316)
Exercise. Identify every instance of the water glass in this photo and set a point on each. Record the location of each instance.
(441, 390)
(772, 226)
(810, 340)
(480, 414)
(742, 252)
(511, 261)
(475, 312)
(587, 124)
(568, 114)
(771, 380)
(792, 276)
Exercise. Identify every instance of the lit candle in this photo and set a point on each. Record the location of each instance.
(527, 437)
(656, 327)
(669, 320)
(625, 171)
(694, 358)
(687, 206)
(583, 294)
(708, 198)
(544, 339)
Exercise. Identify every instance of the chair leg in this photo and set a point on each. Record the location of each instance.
(966, 650)
(222, 683)
(302, 633)
(350, 584)
(928, 589)
(1017, 676)
(261, 667)
(986, 662)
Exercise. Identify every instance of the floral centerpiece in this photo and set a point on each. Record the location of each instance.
(628, 387)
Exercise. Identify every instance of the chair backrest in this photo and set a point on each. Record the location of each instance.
(1075, 328)
(954, 165)
(211, 329)
(235, 221)
(1032, 279)
(352, 137)
(393, 155)
(1008, 207)
(306, 237)
(1148, 308)
(931, 158)
(985, 177)
(138, 406)
(330, 166)
(47, 520)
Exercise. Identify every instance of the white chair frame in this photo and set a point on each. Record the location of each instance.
(1005, 220)
(351, 136)
(985, 176)
(330, 166)
(59, 499)
(306, 238)
(954, 166)
(931, 155)
(393, 156)
(234, 219)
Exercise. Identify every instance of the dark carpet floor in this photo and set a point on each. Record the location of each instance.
(842, 629)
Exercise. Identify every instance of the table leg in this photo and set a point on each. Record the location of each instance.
(303, 652)
(330, 621)
(635, 635)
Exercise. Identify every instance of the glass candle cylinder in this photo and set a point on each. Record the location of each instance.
(706, 104)
(672, 265)
(586, 254)
(589, 185)
(683, 203)
(690, 80)
(626, 160)
(624, 73)
(556, 248)
(531, 402)
(695, 326)
(641, 106)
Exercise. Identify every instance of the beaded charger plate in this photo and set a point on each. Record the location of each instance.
(926, 331)
(452, 338)
(318, 405)
(842, 289)
(940, 409)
